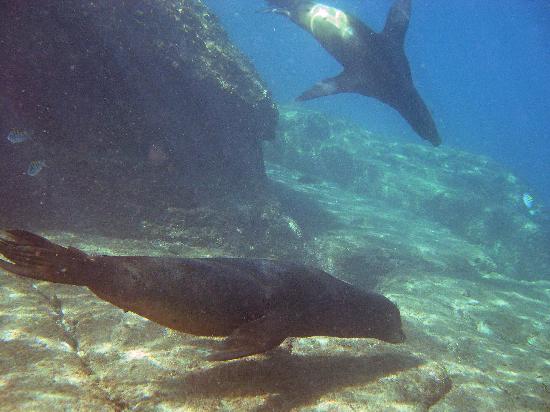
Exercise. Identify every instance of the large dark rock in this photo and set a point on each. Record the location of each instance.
(134, 105)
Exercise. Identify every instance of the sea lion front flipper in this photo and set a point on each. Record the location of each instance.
(397, 21)
(343, 83)
(254, 337)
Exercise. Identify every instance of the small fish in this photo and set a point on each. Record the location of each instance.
(528, 200)
(18, 136)
(35, 167)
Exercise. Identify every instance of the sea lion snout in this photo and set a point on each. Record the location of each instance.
(385, 320)
(398, 337)
(391, 333)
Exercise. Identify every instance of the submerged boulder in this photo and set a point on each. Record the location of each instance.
(473, 197)
(133, 107)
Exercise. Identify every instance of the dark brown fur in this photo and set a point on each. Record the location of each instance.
(375, 64)
(257, 303)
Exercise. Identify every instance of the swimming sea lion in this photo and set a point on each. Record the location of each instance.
(375, 64)
(257, 303)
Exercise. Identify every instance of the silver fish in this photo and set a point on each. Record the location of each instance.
(18, 136)
(528, 200)
(35, 167)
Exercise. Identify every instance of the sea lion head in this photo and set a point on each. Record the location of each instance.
(383, 321)
(369, 315)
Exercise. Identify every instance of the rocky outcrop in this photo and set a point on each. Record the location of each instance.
(475, 198)
(133, 105)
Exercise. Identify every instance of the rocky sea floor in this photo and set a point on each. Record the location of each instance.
(478, 332)
(476, 341)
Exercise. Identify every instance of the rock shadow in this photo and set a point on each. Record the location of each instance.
(310, 215)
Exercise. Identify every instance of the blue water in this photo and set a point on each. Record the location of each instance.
(482, 66)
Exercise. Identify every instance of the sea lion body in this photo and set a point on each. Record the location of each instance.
(257, 303)
(375, 64)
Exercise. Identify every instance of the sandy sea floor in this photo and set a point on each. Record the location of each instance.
(477, 340)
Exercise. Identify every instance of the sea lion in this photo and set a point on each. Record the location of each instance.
(257, 303)
(375, 64)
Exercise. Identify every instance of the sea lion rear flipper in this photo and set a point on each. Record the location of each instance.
(413, 109)
(343, 83)
(29, 255)
(253, 337)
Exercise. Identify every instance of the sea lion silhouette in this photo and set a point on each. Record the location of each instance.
(375, 64)
(257, 303)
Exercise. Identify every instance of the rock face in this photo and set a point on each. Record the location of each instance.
(133, 105)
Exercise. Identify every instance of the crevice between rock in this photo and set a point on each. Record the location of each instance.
(70, 337)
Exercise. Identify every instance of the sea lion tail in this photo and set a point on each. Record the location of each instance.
(29, 255)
